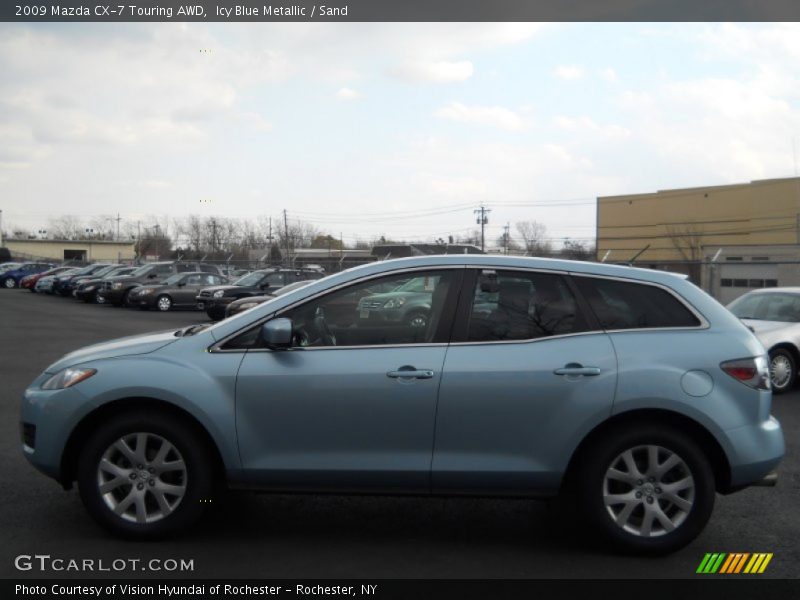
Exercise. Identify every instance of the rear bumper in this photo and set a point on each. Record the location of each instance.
(754, 452)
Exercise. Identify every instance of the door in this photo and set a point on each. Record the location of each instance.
(351, 407)
(526, 377)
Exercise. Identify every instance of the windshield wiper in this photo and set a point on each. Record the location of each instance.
(191, 330)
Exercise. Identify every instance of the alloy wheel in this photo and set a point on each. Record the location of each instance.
(780, 371)
(164, 303)
(142, 477)
(648, 491)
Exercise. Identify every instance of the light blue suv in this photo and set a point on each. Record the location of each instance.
(629, 390)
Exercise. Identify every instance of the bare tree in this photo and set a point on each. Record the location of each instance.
(688, 241)
(66, 227)
(575, 250)
(533, 238)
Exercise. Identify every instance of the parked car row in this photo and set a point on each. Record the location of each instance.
(160, 286)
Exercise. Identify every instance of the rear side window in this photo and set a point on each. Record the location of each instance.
(627, 305)
(514, 305)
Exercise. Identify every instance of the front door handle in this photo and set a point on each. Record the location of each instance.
(577, 369)
(408, 372)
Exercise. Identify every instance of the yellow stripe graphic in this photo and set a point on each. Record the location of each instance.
(765, 563)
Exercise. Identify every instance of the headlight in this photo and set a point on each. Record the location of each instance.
(146, 291)
(89, 288)
(116, 286)
(219, 293)
(395, 303)
(67, 378)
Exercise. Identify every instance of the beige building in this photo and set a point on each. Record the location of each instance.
(676, 225)
(58, 250)
(729, 238)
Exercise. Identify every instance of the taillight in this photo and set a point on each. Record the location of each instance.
(752, 372)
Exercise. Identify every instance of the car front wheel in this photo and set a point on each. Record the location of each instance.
(10, 283)
(782, 370)
(647, 489)
(164, 303)
(145, 475)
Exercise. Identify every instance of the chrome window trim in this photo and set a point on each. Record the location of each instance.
(704, 324)
(216, 347)
(531, 340)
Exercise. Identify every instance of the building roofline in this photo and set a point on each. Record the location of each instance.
(60, 241)
(726, 186)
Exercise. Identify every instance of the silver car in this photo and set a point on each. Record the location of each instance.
(774, 315)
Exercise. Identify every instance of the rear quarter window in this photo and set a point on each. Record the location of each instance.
(629, 305)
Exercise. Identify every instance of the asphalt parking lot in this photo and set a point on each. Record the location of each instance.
(250, 535)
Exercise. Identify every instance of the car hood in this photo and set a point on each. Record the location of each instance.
(760, 326)
(216, 288)
(127, 346)
(389, 295)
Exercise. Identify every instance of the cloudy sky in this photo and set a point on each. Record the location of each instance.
(395, 129)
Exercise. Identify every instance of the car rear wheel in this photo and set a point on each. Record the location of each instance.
(164, 303)
(646, 489)
(10, 283)
(145, 475)
(782, 370)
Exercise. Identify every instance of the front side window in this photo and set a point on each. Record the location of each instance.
(629, 305)
(514, 305)
(360, 316)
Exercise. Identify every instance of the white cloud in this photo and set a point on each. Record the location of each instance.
(568, 72)
(494, 116)
(347, 93)
(608, 74)
(442, 71)
(585, 124)
(255, 121)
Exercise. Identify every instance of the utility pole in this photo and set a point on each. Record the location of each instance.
(482, 220)
(506, 227)
(118, 219)
(286, 234)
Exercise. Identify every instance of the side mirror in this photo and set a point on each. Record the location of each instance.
(181, 283)
(277, 334)
(152, 276)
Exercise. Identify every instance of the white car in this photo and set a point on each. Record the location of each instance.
(773, 314)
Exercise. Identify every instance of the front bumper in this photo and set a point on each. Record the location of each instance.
(215, 307)
(53, 415)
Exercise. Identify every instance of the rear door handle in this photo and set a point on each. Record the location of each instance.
(410, 373)
(576, 369)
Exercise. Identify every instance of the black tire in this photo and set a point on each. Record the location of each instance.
(417, 320)
(787, 361)
(158, 304)
(123, 301)
(591, 476)
(9, 283)
(197, 457)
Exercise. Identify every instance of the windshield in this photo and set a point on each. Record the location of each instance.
(419, 284)
(250, 279)
(106, 270)
(768, 307)
(8, 266)
(140, 271)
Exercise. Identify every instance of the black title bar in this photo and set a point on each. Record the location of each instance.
(115, 11)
